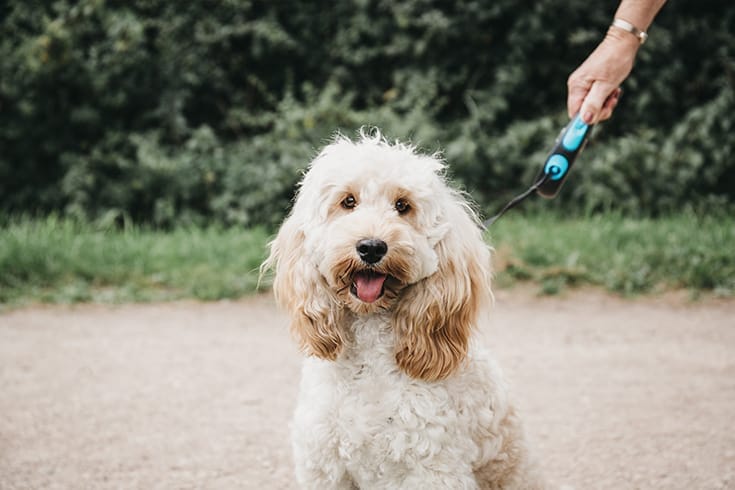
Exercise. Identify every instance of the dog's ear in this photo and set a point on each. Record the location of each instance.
(316, 315)
(435, 317)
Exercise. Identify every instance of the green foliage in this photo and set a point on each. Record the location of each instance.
(690, 165)
(198, 112)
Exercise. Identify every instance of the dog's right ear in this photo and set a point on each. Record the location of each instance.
(316, 315)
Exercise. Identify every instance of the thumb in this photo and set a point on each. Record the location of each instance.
(592, 105)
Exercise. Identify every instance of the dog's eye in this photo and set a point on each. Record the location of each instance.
(349, 202)
(402, 206)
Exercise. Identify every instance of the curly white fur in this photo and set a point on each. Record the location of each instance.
(396, 393)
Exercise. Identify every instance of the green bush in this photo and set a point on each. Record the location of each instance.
(166, 112)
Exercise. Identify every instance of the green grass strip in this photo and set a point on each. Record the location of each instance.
(56, 260)
(624, 255)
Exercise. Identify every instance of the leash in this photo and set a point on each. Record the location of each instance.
(568, 145)
(520, 197)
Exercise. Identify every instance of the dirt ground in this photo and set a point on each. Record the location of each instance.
(615, 394)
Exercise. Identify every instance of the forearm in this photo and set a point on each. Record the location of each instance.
(640, 13)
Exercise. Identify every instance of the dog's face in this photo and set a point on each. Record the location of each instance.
(373, 219)
(375, 228)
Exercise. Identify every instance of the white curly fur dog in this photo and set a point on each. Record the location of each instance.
(384, 272)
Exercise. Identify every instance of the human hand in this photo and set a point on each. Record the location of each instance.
(594, 87)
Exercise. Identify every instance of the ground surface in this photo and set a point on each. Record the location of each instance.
(615, 394)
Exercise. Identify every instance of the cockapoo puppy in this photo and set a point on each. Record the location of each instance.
(384, 272)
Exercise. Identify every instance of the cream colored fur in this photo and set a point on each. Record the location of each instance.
(395, 393)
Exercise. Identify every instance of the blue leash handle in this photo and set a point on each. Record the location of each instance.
(570, 143)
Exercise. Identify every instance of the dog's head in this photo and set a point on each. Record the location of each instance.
(375, 229)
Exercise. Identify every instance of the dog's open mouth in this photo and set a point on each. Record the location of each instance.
(367, 285)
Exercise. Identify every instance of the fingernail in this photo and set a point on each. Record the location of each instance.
(588, 117)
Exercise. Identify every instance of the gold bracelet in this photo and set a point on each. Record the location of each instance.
(628, 27)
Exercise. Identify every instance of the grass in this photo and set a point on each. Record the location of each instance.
(55, 260)
(627, 256)
(62, 261)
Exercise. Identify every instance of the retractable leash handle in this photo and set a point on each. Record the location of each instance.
(568, 145)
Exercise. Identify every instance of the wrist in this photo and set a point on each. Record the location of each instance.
(622, 39)
(630, 28)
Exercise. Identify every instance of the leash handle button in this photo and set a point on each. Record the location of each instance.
(575, 134)
(556, 166)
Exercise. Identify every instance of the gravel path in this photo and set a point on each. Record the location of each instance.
(615, 394)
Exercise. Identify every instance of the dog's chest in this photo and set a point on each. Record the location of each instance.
(385, 420)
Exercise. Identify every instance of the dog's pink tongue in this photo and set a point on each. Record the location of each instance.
(369, 286)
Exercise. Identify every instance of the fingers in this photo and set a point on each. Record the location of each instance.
(610, 103)
(577, 91)
(594, 106)
(579, 95)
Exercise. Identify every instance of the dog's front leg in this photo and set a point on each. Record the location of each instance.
(314, 432)
(316, 458)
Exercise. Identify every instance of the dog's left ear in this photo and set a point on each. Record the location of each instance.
(435, 317)
(316, 316)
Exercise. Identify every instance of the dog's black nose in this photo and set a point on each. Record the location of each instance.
(371, 250)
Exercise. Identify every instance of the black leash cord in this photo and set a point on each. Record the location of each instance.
(513, 202)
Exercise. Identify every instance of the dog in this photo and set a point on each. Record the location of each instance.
(384, 273)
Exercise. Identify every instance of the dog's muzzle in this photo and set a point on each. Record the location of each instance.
(367, 284)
